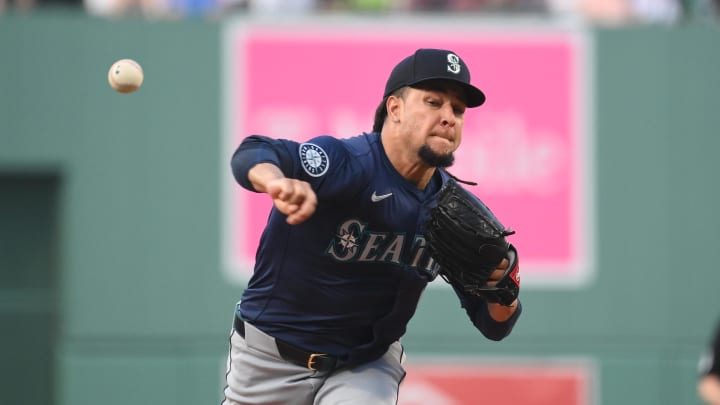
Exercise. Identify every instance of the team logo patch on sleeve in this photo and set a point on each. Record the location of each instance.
(314, 160)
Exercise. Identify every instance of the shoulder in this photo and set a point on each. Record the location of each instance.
(325, 156)
(355, 146)
(362, 144)
(340, 151)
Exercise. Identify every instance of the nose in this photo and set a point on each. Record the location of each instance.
(448, 117)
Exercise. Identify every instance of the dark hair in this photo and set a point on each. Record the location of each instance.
(380, 115)
(381, 110)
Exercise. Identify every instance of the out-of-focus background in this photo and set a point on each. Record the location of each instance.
(121, 251)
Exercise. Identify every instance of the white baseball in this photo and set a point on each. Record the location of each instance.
(125, 76)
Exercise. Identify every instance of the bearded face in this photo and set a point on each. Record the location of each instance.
(434, 159)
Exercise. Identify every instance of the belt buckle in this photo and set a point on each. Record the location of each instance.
(312, 359)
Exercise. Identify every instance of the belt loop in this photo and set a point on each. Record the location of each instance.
(239, 326)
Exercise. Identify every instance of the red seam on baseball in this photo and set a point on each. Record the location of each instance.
(137, 65)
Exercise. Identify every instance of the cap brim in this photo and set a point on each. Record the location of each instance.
(474, 97)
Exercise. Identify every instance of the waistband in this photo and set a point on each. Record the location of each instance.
(313, 361)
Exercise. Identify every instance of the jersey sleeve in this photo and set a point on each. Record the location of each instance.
(715, 349)
(710, 359)
(477, 310)
(254, 150)
(324, 162)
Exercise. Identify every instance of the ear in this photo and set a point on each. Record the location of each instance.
(394, 105)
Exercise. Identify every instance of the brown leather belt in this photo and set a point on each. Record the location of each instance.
(295, 355)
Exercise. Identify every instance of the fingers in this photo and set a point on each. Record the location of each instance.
(494, 277)
(498, 273)
(294, 198)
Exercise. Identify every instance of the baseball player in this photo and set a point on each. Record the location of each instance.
(709, 383)
(342, 261)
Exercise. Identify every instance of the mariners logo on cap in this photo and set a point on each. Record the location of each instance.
(314, 160)
(453, 63)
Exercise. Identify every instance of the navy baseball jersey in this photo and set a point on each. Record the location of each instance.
(346, 281)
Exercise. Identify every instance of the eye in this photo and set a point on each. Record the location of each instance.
(433, 102)
(458, 110)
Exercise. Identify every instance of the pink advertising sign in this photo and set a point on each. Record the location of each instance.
(525, 147)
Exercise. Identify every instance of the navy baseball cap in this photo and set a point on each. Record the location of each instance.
(430, 64)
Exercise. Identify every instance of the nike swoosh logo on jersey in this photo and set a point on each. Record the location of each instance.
(375, 198)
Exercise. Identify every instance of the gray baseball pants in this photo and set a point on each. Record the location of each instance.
(256, 374)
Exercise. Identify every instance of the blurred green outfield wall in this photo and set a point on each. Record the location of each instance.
(138, 309)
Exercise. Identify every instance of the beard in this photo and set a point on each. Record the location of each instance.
(433, 159)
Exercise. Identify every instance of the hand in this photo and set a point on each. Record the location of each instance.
(709, 389)
(294, 198)
(498, 273)
(499, 312)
